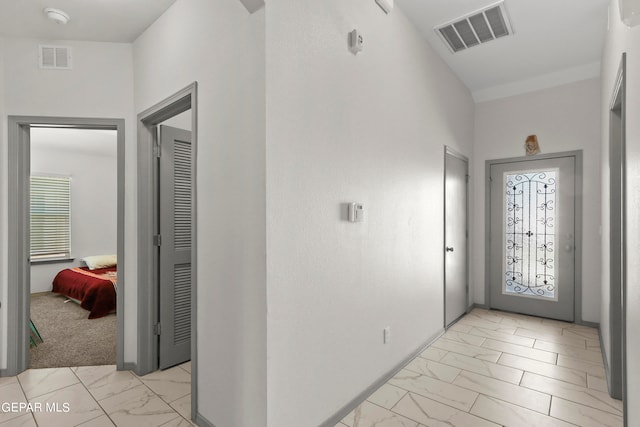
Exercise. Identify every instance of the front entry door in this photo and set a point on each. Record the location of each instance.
(175, 246)
(532, 256)
(455, 257)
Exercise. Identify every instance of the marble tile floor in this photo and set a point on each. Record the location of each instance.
(489, 369)
(97, 396)
(498, 369)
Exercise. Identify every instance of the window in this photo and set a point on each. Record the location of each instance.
(50, 217)
(530, 214)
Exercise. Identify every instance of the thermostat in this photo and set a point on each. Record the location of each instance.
(356, 212)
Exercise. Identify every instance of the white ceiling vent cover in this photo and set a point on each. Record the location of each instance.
(477, 27)
(55, 57)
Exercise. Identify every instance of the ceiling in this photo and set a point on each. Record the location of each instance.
(95, 142)
(91, 20)
(554, 42)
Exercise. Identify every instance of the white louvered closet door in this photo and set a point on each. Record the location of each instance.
(175, 246)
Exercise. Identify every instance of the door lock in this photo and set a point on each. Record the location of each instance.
(449, 249)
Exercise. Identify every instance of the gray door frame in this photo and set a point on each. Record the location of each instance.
(448, 151)
(616, 369)
(577, 155)
(148, 120)
(18, 298)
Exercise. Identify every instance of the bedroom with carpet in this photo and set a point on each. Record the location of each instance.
(73, 198)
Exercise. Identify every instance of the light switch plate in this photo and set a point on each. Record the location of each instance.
(355, 41)
(356, 212)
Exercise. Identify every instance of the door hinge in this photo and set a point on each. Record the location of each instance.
(467, 178)
(156, 149)
(157, 240)
(156, 329)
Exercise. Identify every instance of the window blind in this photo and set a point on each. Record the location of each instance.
(50, 217)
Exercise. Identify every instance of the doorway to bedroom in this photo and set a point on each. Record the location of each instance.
(66, 242)
(73, 244)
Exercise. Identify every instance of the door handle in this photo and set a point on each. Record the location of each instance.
(449, 249)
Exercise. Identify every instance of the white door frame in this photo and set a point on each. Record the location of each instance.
(577, 306)
(148, 120)
(18, 298)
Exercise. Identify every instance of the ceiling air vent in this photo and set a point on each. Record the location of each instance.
(475, 28)
(55, 57)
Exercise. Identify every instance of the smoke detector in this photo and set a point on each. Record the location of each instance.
(57, 15)
(475, 28)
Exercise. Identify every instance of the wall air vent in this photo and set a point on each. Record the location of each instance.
(478, 27)
(55, 57)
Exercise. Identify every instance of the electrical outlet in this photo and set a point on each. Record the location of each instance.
(386, 335)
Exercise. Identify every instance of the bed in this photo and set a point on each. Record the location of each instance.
(95, 290)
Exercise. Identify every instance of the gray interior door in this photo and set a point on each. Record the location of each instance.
(456, 285)
(175, 246)
(532, 258)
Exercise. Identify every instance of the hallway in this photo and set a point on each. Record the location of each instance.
(98, 396)
(494, 368)
(491, 368)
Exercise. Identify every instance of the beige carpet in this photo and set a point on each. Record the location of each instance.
(70, 338)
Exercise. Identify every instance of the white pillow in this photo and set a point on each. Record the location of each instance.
(100, 261)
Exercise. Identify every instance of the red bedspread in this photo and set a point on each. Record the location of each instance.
(95, 289)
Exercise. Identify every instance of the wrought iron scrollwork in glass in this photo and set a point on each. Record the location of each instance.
(530, 214)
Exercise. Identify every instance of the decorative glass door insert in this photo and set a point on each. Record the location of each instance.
(530, 212)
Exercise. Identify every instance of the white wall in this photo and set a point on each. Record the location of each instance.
(622, 39)
(100, 85)
(565, 118)
(89, 157)
(219, 45)
(181, 121)
(341, 128)
(3, 213)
